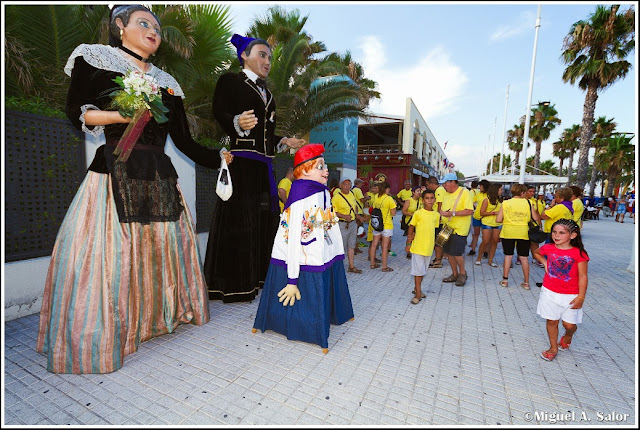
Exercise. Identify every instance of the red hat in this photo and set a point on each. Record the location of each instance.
(308, 152)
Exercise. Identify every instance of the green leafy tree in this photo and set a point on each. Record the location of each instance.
(603, 128)
(514, 139)
(544, 119)
(595, 50)
(618, 160)
(302, 103)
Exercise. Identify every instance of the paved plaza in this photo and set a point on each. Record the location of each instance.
(463, 356)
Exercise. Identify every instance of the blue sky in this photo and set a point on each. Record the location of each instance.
(456, 59)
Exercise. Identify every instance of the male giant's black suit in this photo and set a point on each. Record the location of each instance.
(243, 227)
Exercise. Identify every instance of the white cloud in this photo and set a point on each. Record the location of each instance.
(434, 81)
(524, 24)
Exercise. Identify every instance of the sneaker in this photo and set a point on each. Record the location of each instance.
(518, 263)
(391, 253)
(362, 245)
(472, 252)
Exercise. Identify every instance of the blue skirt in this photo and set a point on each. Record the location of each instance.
(324, 300)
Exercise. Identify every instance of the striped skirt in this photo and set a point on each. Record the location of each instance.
(112, 285)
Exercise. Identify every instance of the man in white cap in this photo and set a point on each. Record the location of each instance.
(456, 211)
(345, 206)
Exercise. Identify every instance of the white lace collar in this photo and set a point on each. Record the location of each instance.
(109, 58)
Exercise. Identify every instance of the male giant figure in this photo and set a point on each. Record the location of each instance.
(243, 227)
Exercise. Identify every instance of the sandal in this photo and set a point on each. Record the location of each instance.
(478, 263)
(562, 346)
(415, 301)
(423, 294)
(525, 285)
(354, 270)
(387, 269)
(547, 355)
(450, 278)
(375, 266)
(436, 264)
(492, 264)
(504, 282)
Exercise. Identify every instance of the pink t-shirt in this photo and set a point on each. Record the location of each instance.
(562, 268)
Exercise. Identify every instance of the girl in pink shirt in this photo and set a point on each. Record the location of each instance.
(564, 285)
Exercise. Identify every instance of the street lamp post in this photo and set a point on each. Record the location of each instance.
(525, 140)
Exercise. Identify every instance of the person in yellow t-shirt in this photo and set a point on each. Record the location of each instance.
(421, 238)
(284, 186)
(361, 201)
(490, 227)
(344, 205)
(372, 193)
(515, 216)
(411, 205)
(578, 206)
(404, 193)
(476, 222)
(434, 185)
(559, 209)
(458, 217)
(387, 206)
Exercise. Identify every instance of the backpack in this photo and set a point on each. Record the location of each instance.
(377, 222)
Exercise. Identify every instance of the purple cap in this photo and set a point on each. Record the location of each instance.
(241, 43)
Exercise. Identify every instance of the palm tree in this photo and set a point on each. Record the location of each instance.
(548, 166)
(617, 159)
(303, 101)
(506, 162)
(560, 151)
(595, 51)
(602, 130)
(543, 120)
(514, 138)
(571, 137)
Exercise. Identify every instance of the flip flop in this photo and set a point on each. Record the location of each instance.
(562, 346)
(387, 269)
(547, 356)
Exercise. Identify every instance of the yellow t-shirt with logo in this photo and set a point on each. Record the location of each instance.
(578, 209)
(559, 211)
(439, 192)
(479, 197)
(385, 204)
(341, 206)
(459, 224)
(425, 223)
(490, 220)
(516, 217)
(357, 192)
(285, 184)
(404, 194)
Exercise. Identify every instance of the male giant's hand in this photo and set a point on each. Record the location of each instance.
(289, 294)
(247, 120)
(293, 142)
(228, 156)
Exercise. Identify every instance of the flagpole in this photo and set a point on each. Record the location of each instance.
(525, 140)
(504, 131)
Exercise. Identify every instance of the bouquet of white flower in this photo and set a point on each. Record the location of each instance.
(139, 99)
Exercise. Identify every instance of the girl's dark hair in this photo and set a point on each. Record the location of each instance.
(572, 226)
(124, 13)
(484, 184)
(492, 193)
(382, 187)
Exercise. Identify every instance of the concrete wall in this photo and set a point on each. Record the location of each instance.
(23, 281)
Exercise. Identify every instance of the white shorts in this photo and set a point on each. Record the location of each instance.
(384, 233)
(555, 306)
(419, 264)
